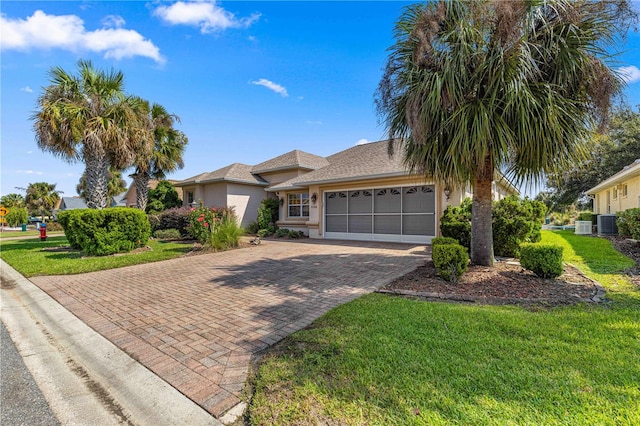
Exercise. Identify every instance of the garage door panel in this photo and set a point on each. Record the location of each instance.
(387, 200)
(387, 224)
(418, 224)
(360, 201)
(360, 224)
(336, 202)
(418, 199)
(337, 223)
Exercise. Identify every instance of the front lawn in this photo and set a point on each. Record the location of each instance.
(385, 360)
(33, 257)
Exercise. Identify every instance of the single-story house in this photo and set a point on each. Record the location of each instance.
(360, 193)
(619, 192)
(130, 196)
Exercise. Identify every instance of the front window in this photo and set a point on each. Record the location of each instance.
(615, 194)
(625, 190)
(299, 205)
(189, 197)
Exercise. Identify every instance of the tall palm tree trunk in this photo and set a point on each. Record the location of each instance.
(481, 228)
(96, 171)
(141, 180)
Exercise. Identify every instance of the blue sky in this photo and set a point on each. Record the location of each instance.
(249, 80)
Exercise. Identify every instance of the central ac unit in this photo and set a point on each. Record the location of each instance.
(607, 224)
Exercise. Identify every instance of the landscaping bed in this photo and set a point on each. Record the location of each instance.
(631, 249)
(506, 283)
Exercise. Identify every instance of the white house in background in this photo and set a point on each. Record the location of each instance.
(360, 193)
(619, 192)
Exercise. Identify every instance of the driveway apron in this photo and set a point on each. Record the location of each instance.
(196, 321)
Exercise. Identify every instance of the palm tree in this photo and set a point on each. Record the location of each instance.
(165, 157)
(88, 117)
(476, 87)
(115, 184)
(41, 197)
(12, 200)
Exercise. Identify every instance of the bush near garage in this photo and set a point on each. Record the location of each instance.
(107, 231)
(167, 234)
(514, 222)
(450, 260)
(628, 223)
(544, 260)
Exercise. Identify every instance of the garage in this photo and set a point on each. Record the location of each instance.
(398, 214)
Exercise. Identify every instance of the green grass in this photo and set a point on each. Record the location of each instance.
(27, 233)
(383, 360)
(28, 257)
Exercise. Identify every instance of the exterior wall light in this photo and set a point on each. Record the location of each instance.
(282, 201)
(447, 192)
(314, 198)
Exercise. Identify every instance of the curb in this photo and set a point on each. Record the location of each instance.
(83, 376)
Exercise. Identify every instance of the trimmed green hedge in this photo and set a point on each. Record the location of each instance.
(544, 260)
(107, 231)
(443, 240)
(628, 223)
(450, 260)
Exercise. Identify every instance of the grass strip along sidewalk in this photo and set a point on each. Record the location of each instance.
(384, 360)
(33, 257)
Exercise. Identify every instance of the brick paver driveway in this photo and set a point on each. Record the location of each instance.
(196, 321)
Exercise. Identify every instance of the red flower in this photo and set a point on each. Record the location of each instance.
(206, 224)
(193, 209)
(200, 219)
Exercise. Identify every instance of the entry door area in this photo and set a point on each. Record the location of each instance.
(400, 214)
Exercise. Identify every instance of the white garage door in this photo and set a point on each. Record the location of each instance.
(401, 214)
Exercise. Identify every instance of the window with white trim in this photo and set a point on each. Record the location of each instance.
(298, 204)
(625, 190)
(615, 193)
(190, 197)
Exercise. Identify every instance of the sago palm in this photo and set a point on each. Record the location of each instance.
(164, 157)
(473, 87)
(89, 117)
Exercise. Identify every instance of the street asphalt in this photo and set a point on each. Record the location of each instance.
(21, 401)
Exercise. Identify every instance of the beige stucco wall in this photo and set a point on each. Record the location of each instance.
(607, 201)
(246, 201)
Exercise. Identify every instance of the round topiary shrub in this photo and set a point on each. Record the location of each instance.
(544, 260)
(450, 260)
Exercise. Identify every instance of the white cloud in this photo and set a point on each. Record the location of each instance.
(67, 32)
(27, 89)
(362, 141)
(630, 74)
(208, 16)
(29, 152)
(113, 21)
(29, 172)
(271, 86)
(317, 122)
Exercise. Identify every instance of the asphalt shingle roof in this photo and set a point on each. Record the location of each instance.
(291, 160)
(71, 203)
(359, 162)
(236, 172)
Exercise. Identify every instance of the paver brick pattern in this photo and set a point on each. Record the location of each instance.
(196, 321)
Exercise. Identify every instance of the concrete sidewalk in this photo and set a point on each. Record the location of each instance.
(85, 378)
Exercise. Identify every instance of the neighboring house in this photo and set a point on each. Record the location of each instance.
(72, 203)
(619, 192)
(360, 193)
(130, 196)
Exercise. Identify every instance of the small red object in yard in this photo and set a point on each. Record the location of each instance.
(43, 232)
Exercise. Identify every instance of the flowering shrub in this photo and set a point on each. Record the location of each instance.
(215, 227)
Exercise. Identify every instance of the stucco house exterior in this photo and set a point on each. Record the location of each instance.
(360, 193)
(619, 192)
(130, 196)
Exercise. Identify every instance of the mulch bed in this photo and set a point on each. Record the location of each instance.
(506, 283)
(509, 283)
